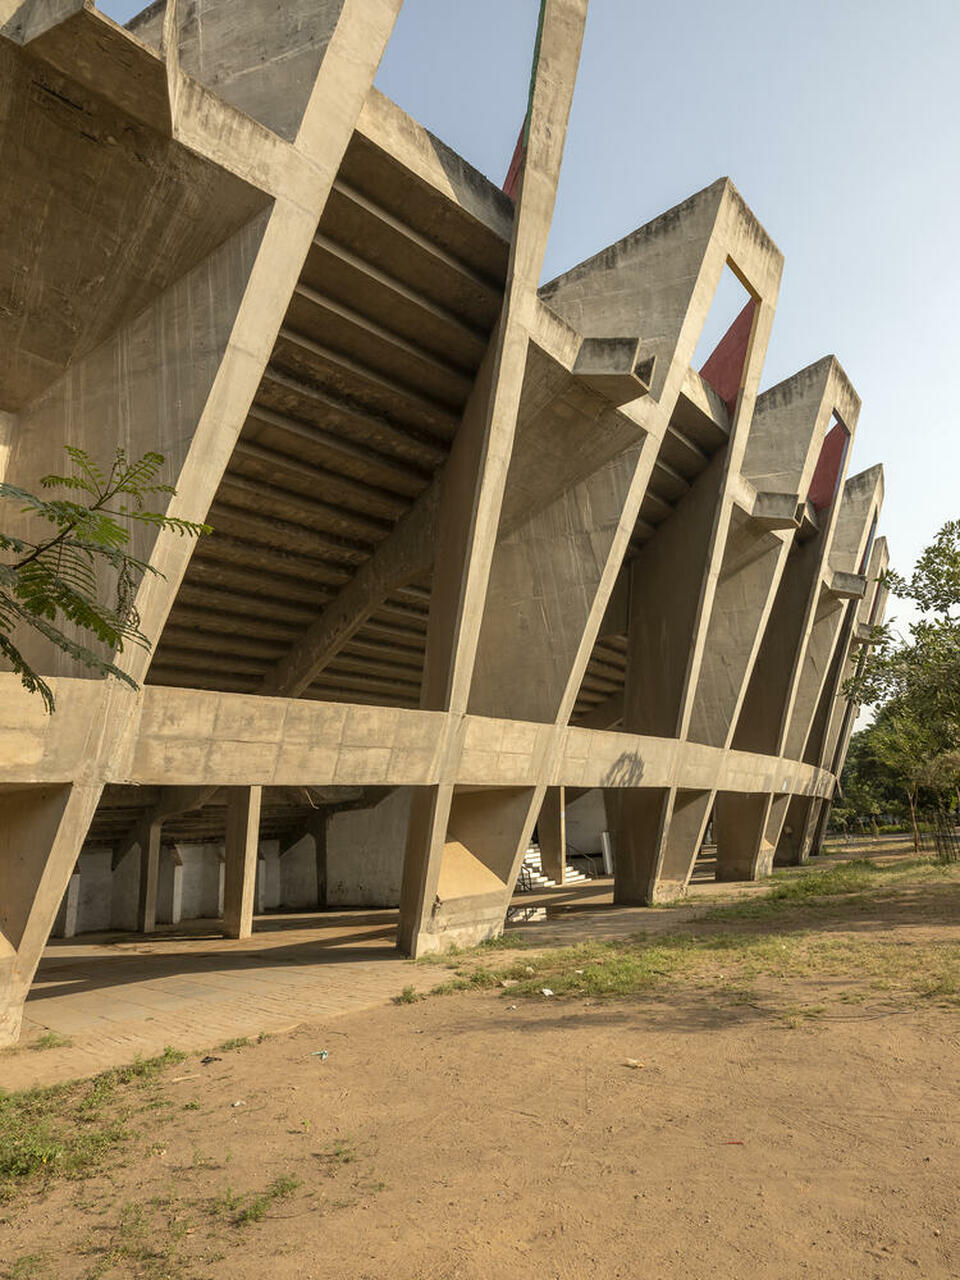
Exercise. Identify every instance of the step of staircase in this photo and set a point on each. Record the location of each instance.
(534, 866)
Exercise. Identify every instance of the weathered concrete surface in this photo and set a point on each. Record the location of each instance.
(483, 553)
(470, 512)
(297, 177)
(365, 853)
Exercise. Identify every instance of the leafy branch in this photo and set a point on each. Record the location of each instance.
(48, 584)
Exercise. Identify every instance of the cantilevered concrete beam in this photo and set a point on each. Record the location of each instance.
(801, 411)
(799, 836)
(470, 512)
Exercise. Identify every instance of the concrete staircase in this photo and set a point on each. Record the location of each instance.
(535, 876)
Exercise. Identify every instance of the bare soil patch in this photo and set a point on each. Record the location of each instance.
(773, 1096)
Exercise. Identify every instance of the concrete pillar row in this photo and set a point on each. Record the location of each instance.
(679, 591)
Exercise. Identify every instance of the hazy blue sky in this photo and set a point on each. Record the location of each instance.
(836, 119)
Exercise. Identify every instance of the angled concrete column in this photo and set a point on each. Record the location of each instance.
(688, 823)
(552, 834)
(801, 408)
(459, 846)
(752, 562)
(740, 826)
(240, 854)
(796, 836)
(787, 434)
(816, 750)
(838, 596)
(836, 715)
(824, 633)
(666, 585)
(149, 877)
(42, 829)
(673, 580)
(638, 820)
(843, 713)
(657, 834)
(766, 706)
(467, 883)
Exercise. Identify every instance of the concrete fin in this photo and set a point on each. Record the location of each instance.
(543, 583)
(259, 57)
(789, 423)
(643, 284)
(751, 561)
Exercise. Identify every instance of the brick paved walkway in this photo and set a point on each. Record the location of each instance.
(117, 996)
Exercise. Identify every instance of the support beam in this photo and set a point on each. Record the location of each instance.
(470, 334)
(740, 825)
(149, 876)
(242, 838)
(552, 834)
(405, 456)
(417, 242)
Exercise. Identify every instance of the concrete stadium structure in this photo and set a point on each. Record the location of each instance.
(482, 550)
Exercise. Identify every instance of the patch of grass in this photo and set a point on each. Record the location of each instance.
(193, 1105)
(942, 983)
(67, 1130)
(29, 1266)
(342, 1152)
(796, 1015)
(409, 995)
(503, 942)
(238, 1042)
(471, 980)
(450, 959)
(604, 969)
(285, 1185)
(133, 1241)
(254, 1207)
(50, 1040)
(726, 965)
(798, 887)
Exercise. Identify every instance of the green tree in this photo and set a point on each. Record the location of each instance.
(911, 753)
(916, 681)
(907, 744)
(927, 664)
(56, 582)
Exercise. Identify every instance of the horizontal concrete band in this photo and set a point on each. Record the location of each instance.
(195, 737)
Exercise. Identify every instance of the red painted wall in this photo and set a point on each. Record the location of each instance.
(832, 452)
(724, 368)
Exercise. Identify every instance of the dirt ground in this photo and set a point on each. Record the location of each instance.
(791, 1127)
